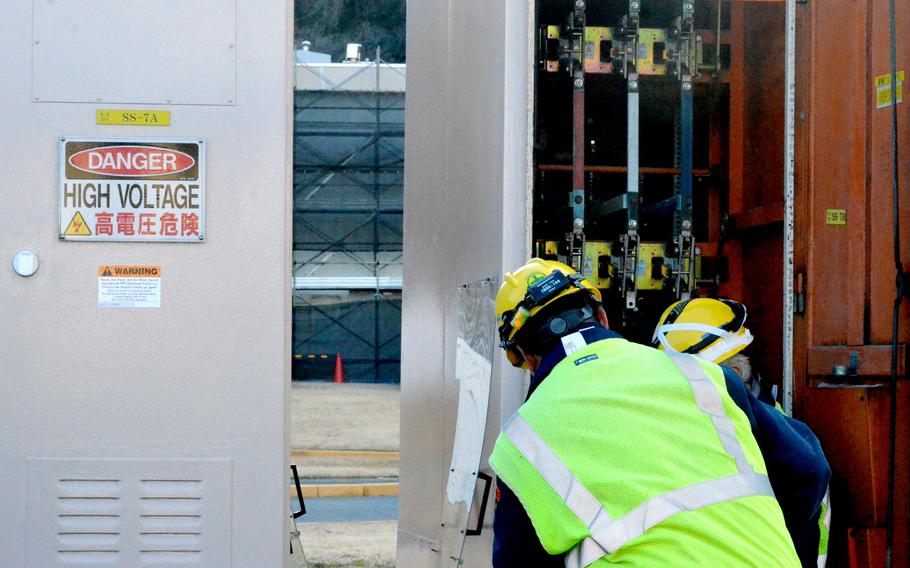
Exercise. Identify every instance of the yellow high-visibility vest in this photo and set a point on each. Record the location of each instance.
(625, 455)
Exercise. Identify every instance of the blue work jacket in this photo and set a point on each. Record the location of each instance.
(797, 468)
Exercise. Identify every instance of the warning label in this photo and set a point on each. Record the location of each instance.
(117, 189)
(77, 227)
(129, 286)
(883, 96)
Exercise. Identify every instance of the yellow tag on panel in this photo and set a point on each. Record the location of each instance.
(836, 217)
(133, 117)
(883, 97)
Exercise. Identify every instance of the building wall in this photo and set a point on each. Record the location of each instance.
(348, 178)
(351, 324)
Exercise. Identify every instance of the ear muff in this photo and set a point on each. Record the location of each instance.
(552, 328)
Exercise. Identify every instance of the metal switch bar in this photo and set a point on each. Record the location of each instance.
(577, 196)
(630, 241)
(684, 242)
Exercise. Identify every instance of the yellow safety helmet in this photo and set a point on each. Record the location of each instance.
(711, 329)
(531, 288)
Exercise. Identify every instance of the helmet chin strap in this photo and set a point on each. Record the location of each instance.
(660, 333)
(725, 346)
(728, 341)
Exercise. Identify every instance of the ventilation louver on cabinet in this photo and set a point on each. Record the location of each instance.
(88, 520)
(171, 520)
(129, 512)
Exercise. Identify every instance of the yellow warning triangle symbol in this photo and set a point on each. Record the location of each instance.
(77, 227)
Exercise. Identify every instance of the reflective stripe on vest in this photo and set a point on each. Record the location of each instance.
(824, 529)
(608, 534)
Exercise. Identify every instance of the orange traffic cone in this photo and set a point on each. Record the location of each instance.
(339, 369)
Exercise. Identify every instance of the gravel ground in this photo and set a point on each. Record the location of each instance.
(348, 416)
(349, 545)
(347, 468)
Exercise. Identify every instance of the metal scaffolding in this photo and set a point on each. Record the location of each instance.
(348, 206)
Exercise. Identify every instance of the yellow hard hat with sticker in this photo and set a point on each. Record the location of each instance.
(528, 290)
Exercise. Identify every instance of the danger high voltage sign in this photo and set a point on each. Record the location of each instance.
(132, 189)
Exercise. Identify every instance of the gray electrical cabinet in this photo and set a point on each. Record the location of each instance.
(144, 339)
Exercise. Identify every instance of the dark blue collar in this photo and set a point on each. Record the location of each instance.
(590, 332)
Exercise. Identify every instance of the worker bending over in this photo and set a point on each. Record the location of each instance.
(714, 330)
(622, 454)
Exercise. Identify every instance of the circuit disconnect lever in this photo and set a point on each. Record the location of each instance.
(629, 242)
(576, 238)
(682, 67)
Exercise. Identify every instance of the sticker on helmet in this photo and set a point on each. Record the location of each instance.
(535, 277)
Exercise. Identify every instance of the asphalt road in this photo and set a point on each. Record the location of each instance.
(349, 509)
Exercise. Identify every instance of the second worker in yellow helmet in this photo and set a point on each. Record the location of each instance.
(713, 329)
